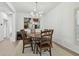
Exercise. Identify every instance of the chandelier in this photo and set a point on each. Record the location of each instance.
(36, 13)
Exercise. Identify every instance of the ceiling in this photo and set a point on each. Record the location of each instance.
(28, 7)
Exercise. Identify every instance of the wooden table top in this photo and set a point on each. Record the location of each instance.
(34, 34)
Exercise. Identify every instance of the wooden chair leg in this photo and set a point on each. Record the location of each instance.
(50, 52)
(40, 52)
(32, 46)
(37, 50)
(23, 49)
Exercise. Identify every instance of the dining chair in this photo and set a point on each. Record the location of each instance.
(26, 40)
(45, 43)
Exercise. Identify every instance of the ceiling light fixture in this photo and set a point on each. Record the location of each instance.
(36, 13)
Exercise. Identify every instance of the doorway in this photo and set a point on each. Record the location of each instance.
(4, 20)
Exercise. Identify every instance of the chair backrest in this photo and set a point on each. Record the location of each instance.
(48, 32)
(24, 34)
(46, 36)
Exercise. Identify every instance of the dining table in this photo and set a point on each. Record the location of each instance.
(35, 37)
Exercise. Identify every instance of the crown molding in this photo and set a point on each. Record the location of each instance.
(10, 6)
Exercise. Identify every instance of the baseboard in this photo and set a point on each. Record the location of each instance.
(70, 51)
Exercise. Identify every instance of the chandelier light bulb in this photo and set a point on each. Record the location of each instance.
(36, 13)
(40, 15)
(40, 12)
(34, 9)
(32, 13)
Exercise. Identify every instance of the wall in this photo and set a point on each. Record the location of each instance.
(62, 20)
(20, 20)
(6, 10)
